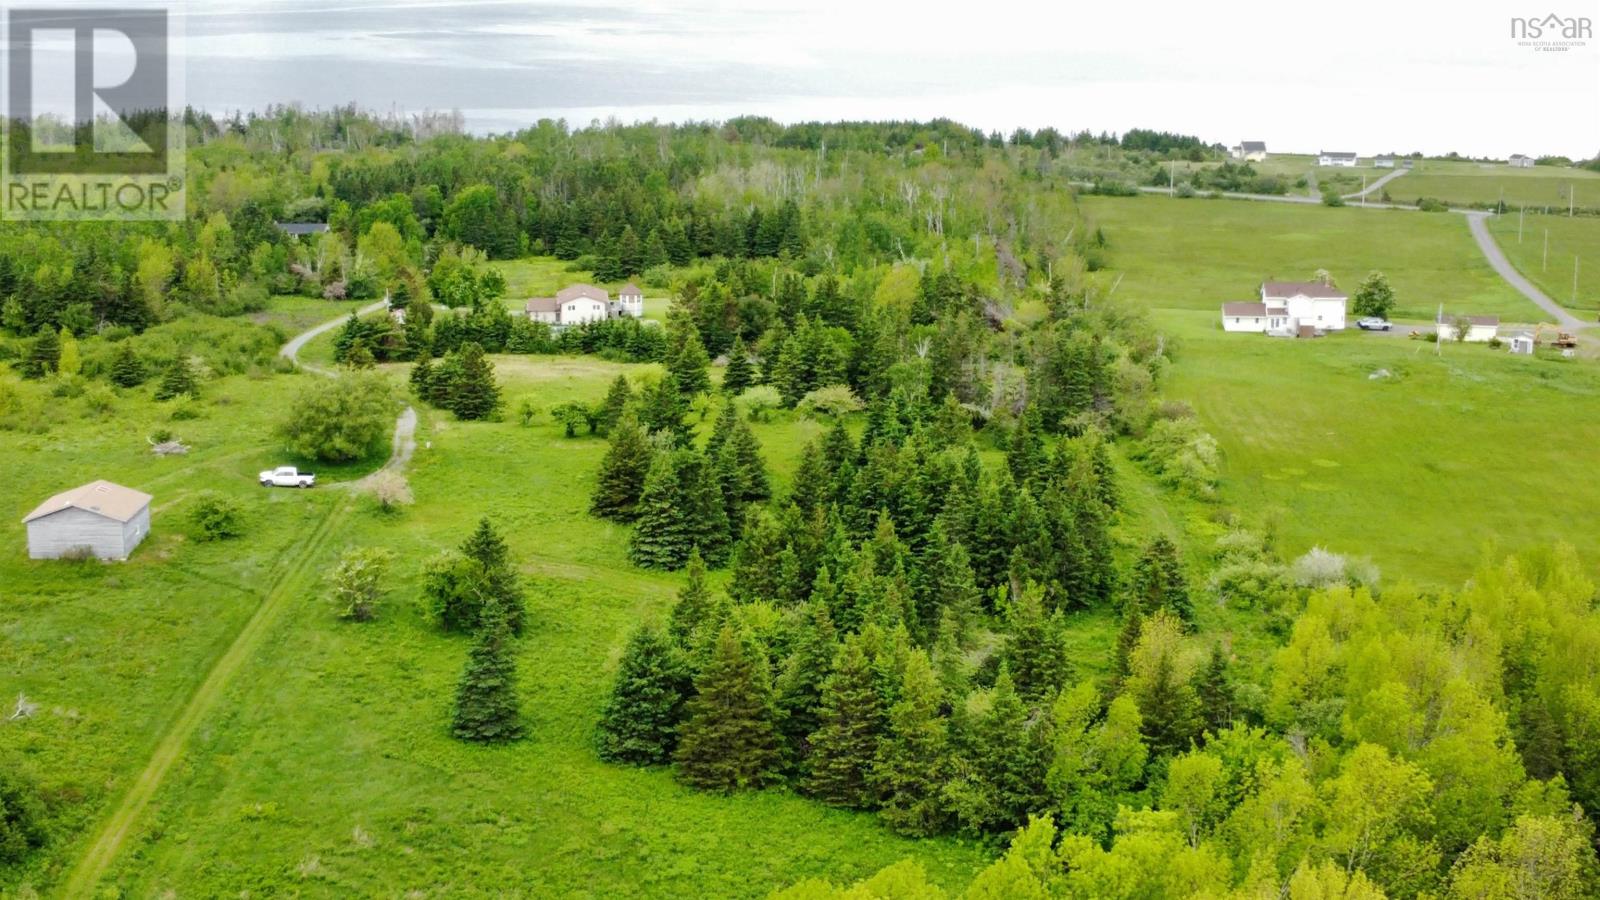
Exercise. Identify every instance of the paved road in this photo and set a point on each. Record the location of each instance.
(1497, 258)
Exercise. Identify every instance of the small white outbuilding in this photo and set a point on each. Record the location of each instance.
(99, 519)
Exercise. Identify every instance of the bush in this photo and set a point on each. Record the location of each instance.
(21, 816)
(357, 583)
(1182, 455)
(833, 401)
(390, 489)
(1320, 568)
(758, 402)
(341, 419)
(214, 517)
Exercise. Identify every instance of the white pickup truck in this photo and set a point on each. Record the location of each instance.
(287, 476)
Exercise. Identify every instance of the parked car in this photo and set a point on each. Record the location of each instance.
(287, 476)
(1374, 323)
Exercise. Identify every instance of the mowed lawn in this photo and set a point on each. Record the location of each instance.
(1574, 248)
(1423, 470)
(328, 769)
(1198, 254)
(1485, 184)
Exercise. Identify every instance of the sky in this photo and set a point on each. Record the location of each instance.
(1368, 76)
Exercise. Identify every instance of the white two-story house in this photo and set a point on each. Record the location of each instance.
(575, 304)
(1336, 158)
(1289, 308)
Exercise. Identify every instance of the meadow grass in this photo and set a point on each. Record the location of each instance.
(1484, 184)
(1197, 254)
(1421, 470)
(1569, 237)
(328, 770)
(294, 313)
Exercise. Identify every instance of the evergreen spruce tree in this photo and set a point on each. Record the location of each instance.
(944, 583)
(913, 759)
(1158, 582)
(727, 420)
(811, 487)
(729, 741)
(740, 374)
(615, 404)
(662, 409)
(1169, 708)
(755, 575)
(497, 577)
(686, 358)
(44, 355)
(178, 380)
(126, 369)
(487, 708)
(475, 394)
(694, 606)
(639, 723)
(622, 472)
(852, 721)
(743, 450)
(664, 535)
(1214, 686)
(800, 684)
(948, 659)
(1008, 764)
(1025, 454)
(1036, 648)
(706, 509)
(422, 377)
(1127, 639)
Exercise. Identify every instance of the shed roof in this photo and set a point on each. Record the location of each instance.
(302, 228)
(1253, 146)
(100, 497)
(541, 304)
(629, 289)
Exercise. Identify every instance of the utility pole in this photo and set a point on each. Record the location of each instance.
(1520, 211)
(1172, 178)
(1574, 279)
(1545, 266)
(1363, 190)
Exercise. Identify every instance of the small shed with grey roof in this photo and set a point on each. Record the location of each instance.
(99, 519)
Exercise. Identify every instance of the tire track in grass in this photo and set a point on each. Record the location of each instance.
(114, 832)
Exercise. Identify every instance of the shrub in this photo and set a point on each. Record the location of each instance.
(1182, 455)
(833, 401)
(758, 402)
(340, 419)
(390, 489)
(21, 816)
(1320, 568)
(357, 583)
(214, 517)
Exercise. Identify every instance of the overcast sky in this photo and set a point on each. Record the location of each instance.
(1364, 75)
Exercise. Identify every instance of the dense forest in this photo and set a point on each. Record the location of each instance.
(901, 626)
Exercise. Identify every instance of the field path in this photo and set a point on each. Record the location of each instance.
(1377, 184)
(108, 841)
(1497, 258)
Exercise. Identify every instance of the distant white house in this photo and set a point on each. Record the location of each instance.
(99, 519)
(1519, 161)
(1384, 162)
(1336, 158)
(1251, 151)
(1289, 308)
(1480, 329)
(1522, 342)
(575, 304)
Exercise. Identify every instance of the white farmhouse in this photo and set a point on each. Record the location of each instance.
(1383, 162)
(1480, 329)
(1336, 158)
(575, 304)
(1518, 161)
(99, 519)
(1289, 308)
(1251, 151)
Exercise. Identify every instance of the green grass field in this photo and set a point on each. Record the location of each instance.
(1420, 471)
(1198, 253)
(326, 768)
(1484, 184)
(1569, 238)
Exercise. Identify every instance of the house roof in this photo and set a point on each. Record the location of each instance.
(1316, 290)
(1337, 154)
(101, 497)
(1244, 309)
(574, 291)
(541, 304)
(1518, 156)
(1253, 146)
(630, 289)
(302, 228)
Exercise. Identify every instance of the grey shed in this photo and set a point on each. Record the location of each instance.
(99, 519)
